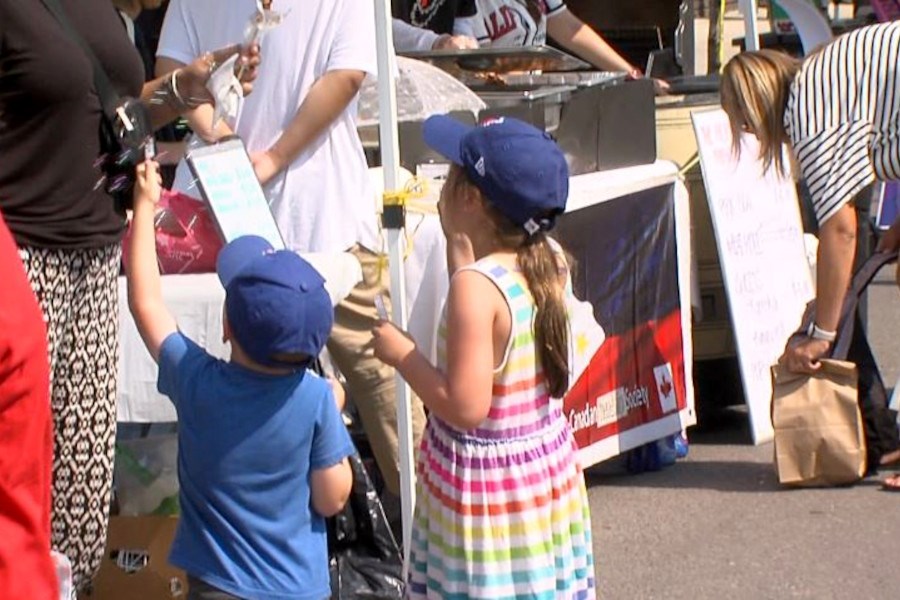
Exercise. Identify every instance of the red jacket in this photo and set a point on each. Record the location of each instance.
(26, 436)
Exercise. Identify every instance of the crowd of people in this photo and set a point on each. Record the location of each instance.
(502, 504)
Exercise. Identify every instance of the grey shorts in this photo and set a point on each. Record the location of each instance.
(200, 590)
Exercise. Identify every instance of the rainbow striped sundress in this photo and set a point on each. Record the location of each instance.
(502, 510)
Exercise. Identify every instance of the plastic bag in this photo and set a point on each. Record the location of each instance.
(363, 557)
(187, 240)
(146, 475)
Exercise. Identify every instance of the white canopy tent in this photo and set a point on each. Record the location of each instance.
(750, 8)
(390, 160)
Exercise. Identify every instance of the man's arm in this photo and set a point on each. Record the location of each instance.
(576, 36)
(326, 100)
(154, 321)
(409, 38)
(573, 34)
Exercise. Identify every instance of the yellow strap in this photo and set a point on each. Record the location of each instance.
(409, 197)
(720, 43)
(689, 165)
(414, 189)
(394, 198)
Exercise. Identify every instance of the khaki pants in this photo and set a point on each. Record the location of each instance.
(370, 383)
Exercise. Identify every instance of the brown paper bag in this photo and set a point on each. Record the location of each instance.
(819, 439)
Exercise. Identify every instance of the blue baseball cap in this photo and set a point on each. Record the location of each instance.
(276, 302)
(519, 168)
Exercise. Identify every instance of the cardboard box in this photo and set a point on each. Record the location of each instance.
(135, 563)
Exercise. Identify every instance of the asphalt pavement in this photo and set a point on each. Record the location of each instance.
(716, 525)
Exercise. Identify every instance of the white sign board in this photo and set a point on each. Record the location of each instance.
(230, 187)
(756, 218)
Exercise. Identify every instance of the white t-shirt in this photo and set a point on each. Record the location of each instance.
(508, 24)
(324, 201)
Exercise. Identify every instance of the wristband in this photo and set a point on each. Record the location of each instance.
(817, 333)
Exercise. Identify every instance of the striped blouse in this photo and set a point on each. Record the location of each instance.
(843, 116)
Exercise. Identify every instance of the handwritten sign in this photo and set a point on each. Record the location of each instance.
(230, 186)
(759, 235)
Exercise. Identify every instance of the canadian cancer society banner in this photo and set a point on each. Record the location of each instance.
(624, 264)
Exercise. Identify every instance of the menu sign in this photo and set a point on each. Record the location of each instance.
(759, 235)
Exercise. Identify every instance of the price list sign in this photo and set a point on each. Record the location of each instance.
(759, 235)
(230, 187)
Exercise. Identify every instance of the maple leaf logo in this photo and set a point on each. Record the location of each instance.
(665, 386)
(668, 401)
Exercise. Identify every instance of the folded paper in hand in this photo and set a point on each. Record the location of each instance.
(226, 91)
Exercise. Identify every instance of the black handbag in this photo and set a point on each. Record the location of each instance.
(124, 123)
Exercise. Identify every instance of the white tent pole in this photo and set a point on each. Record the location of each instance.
(751, 26)
(390, 160)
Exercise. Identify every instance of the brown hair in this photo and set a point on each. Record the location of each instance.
(754, 93)
(541, 265)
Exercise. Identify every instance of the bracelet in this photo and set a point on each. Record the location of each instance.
(173, 86)
(817, 333)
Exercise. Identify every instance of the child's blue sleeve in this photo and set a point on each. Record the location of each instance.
(331, 440)
(179, 358)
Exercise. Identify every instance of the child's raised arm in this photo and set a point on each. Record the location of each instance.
(154, 321)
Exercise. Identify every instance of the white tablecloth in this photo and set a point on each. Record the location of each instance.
(196, 301)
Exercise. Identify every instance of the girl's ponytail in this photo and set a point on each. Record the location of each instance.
(540, 266)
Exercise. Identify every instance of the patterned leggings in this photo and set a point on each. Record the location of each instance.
(77, 291)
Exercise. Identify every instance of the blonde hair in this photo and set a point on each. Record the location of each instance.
(540, 265)
(754, 93)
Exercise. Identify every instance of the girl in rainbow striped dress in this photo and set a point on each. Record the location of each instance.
(502, 509)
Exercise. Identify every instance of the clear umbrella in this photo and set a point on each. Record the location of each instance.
(422, 90)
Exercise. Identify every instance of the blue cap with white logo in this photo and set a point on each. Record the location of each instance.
(277, 306)
(520, 169)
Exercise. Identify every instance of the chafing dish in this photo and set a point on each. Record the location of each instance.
(599, 120)
(540, 106)
(534, 97)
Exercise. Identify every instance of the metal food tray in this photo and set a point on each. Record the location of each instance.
(501, 60)
(532, 81)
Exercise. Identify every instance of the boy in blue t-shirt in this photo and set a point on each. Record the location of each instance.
(262, 455)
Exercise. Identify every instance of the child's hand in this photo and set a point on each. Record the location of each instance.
(391, 344)
(148, 184)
